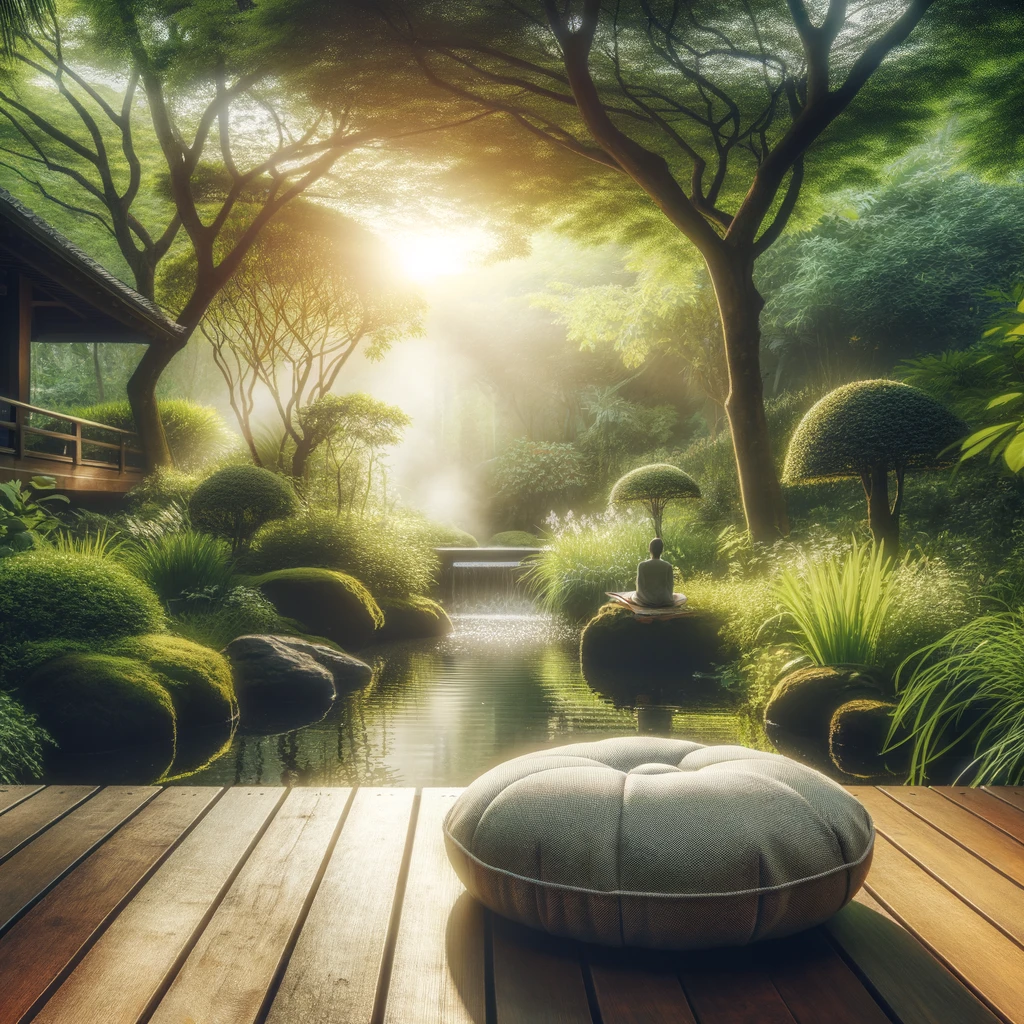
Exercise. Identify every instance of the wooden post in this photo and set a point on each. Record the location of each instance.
(24, 360)
(19, 419)
(122, 457)
(76, 432)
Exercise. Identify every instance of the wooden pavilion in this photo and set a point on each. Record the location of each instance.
(51, 291)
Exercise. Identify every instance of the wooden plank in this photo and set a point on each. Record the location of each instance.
(995, 811)
(985, 959)
(30, 817)
(44, 943)
(986, 841)
(229, 972)
(988, 892)
(730, 987)
(334, 971)
(437, 974)
(537, 979)
(34, 868)
(915, 986)
(1012, 795)
(631, 994)
(137, 956)
(12, 795)
(816, 985)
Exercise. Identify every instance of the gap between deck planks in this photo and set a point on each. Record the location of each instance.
(276, 906)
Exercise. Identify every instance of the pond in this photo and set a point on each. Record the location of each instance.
(440, 712)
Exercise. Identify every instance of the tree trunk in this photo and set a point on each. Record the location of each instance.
(739, 304)
(883, 518)
(142, 397)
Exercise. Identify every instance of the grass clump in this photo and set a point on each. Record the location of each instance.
(21, 743)
(182, 564)
(243, 611)
(967, 686)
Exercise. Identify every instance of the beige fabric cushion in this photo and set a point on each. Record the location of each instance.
(662, 843)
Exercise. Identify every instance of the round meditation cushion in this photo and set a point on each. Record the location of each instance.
(662, 843)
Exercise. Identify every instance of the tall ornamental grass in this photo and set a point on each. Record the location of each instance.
(182, 563)
(837, 607)
(968, 685)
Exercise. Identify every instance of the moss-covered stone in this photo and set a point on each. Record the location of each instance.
(324, 602)
(95, 702)
(799, 712)
(857, 738)
(197, 678)
(617, 648)
(412, 618)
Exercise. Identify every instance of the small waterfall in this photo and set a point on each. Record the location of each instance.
(486, 581)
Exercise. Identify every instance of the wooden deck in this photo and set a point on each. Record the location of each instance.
(208, 906)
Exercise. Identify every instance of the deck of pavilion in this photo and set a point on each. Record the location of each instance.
(301, 906)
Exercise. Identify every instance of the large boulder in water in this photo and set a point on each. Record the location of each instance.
(618, 646)
(324, 602)
(798, 716)
(412, 618)
(857, 739)
(283, 683)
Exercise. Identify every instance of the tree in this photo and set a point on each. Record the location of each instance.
(867, 430)
(311, 290)
(654, 487)
(193, 124)
(18, 17)
(711, 110)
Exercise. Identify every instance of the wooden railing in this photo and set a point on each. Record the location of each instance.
(22, 436)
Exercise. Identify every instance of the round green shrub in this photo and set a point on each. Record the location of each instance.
(444, 535)
(236, 501)
(387, 559)
(196, 434)
(96, 702)
(198, 679)
(515, 539)
(867, 423)
(48, 595)
(326, 603)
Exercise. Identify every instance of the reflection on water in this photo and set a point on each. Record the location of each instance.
(440, 712)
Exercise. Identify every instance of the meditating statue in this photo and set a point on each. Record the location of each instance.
(654, 579)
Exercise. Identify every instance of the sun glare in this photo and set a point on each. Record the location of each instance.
(425, 257)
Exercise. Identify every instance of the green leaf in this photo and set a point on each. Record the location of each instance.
(43, 483)
(1006, 399)
(1014, 453)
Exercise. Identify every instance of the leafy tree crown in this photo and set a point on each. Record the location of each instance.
(868, 422)
(657, 482)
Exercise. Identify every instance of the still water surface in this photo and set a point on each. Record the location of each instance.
(440, 712)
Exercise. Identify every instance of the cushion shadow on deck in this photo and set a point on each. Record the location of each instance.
(252, 905)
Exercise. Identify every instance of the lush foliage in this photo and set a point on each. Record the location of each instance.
(79, 598)
(240, 612)
(837, 608)
(515, 539)
(236, 501)
(182, 564)
(196, 434)
(21, 743)
(968, 687)
(389, 558)
(25, 514)
(869, 423)
(532, 477)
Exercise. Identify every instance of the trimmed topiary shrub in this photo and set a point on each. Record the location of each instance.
(412, 618)
(390, 562)
(325, 603)
(654, 487)
(515, 539)
(867, 430)
(196, 434)
(96, 702)
(46, 595)
(236, 501)
(197, 679)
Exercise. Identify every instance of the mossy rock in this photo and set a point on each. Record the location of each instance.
(799, 712)
(412, 618)
(617, 648)
(857, 738)
(197, 678)
(324, 602)
(96, 702)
